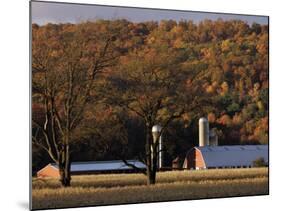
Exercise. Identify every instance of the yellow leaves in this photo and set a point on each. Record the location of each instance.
(262, 46)
(210, 89)
(261, 130)
(215, 84)
(177, 29)
(54, 53)
(178, 43)
(260, 105)
(226, 45)
(164, 113)
(150, 39)
(224, 88)
(256, 86)
(206, 53)
(254, 93)
(185, 117)
(250, 126)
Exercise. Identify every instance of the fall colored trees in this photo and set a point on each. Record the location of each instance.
(105, 81)
(65, 63)
(149, 84)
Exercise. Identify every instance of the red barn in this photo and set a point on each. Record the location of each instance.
(237, 156)
(49, 171)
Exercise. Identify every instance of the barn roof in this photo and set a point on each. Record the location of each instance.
(103, 165)
(236, 155)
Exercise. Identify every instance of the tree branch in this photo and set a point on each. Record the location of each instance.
(143, 171)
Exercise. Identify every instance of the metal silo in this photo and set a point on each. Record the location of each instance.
(156, 130)
(203, 132)
(213, 137)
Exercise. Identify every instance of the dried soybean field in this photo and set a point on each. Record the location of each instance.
(131, 188)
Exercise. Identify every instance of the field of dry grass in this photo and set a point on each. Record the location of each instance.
(130, 188)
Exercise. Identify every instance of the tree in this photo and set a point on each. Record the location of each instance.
(259, 162)
(221, 64)
(150, 84)
(65, 64)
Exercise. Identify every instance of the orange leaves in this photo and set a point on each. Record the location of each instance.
(262, 48)
(178, 43)
(211, 89)
(151, 39)
(259, 131)
(159, 57)
(206, 53)
(226, 67)
(225, 120)
(255, 131)
(211, 117)
(237, 119)
(185, 117)
(262, 126)
(178, 30)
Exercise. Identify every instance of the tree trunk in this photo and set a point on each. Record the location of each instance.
(65, 177)
(151, 178)
(154, 164)
(150, 159)
(64, 167)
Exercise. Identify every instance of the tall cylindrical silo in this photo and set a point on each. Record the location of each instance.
(161, 153)
(156, 130)
(203, 132)
(213, 137)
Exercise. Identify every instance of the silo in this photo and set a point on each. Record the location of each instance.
(156, 130)
(213, 140)
(161, 153)
(203, 132)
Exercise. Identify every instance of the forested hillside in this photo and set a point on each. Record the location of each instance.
(169, 73)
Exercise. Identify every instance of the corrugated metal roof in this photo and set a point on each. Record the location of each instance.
(103, 165)
(237, 155)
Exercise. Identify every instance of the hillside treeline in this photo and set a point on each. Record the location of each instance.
(166, 72)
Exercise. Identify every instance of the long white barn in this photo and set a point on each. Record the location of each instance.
(92, 167)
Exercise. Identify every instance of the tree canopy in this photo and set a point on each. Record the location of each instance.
(169, 73)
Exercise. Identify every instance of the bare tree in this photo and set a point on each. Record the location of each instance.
(65, 65)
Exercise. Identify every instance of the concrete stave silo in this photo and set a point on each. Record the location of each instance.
(156, 130)
(213, 137)
(203, 132)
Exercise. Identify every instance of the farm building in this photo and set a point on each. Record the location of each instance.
(237, 156)
(92, 167)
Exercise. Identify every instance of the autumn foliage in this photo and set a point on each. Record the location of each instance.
(217, 69)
